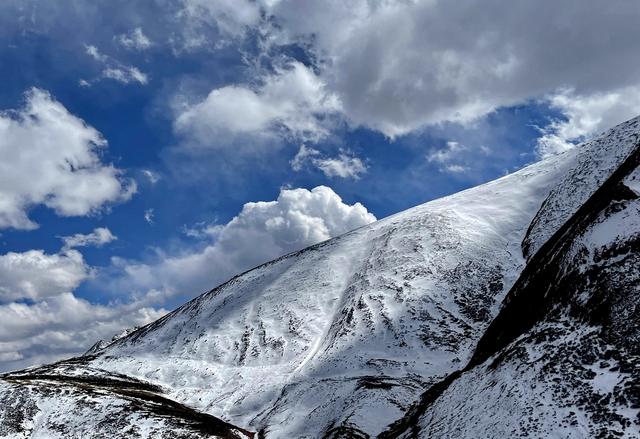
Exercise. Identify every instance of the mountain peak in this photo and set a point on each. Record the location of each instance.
(484, 312)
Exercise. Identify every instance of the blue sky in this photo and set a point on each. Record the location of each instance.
(202, 106)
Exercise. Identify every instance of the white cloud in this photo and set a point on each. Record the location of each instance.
(53, 323)
(62, 326)
(202, 230)
(151, 176)
(585, 116)
(113, 69)
(400, 65)
(34, 274)
(304, 155)
(452, 151)
(345, 165)
(45, 140)
(99, 237)
(450, 157)
(291, 103)
(125, 74)
(94, 53)
(456, 169)
(232, 18)
(148, 216)
(260, 232)
(134, 40)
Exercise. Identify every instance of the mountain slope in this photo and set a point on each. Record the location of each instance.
(69, 399)
(561, 359)
(401, 328)
(346, 335)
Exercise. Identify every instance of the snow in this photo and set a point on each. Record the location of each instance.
(594, 161)
(616, 226)
(573, 373)
(632, 181)
(405, 297)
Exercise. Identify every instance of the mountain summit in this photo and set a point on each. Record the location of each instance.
(508, 310)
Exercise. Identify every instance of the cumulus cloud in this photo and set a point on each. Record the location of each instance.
(260, 232)
(43, 139)
(99, 237)
(52, 158)
(134, 40)
(290, 103)
(113, 69)
(585, 116)
(62, 326)
(345, 165)
(34, 274)
(399, 65)
(43, 321)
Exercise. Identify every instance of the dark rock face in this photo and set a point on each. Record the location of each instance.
(552, 274)
(563, 352)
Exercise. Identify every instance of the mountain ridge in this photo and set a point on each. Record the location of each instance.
(347, 337)
(518, 313)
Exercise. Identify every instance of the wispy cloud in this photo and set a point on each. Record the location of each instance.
(449, 159)
(148, 215)
(585, 116)
(152, 176)
(345, 165)
(134, 40)
(114, 69)
(99, 237)
(72, 179)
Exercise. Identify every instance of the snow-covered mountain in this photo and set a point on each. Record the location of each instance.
(507, 310)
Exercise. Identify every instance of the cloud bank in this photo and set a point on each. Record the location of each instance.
(398, 66)
(42, 320)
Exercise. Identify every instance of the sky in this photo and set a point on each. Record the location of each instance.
(151, 150)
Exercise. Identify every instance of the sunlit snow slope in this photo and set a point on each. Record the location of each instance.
(394, 328)
(345, 335)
